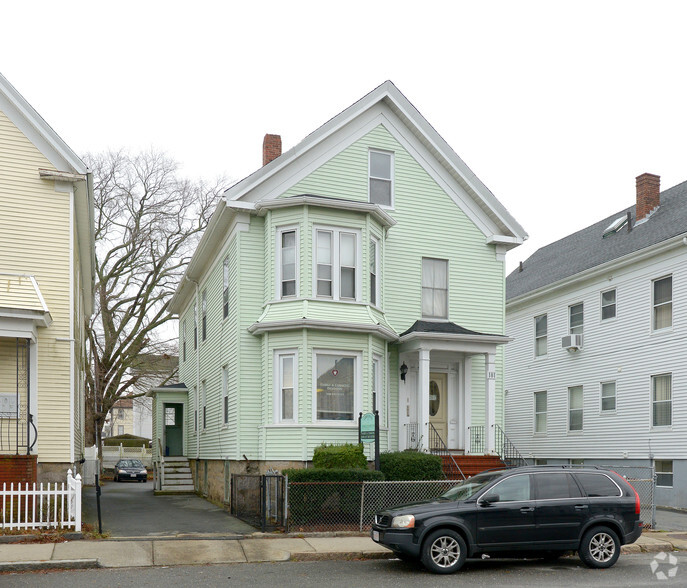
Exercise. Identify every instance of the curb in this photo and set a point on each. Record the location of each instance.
(341, 555)
(64, 564)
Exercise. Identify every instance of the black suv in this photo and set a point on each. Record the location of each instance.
(542, 511)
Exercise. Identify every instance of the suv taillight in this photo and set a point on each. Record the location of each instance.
(638, 509)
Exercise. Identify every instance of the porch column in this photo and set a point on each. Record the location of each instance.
(490, 404)
(423, 400)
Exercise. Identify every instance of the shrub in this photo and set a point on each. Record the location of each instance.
(327, 497)
(339, 457)
(410, 465)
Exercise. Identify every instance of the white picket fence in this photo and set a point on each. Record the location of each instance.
(112, 454)
(51, 506)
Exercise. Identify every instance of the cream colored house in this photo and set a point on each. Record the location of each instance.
(46, 291)
(120, 419)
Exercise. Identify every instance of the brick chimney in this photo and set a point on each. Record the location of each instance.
(271, 148)
(648, 195)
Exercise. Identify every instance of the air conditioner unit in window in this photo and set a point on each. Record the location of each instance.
(572, 342)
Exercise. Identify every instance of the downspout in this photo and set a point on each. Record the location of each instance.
(196, 327)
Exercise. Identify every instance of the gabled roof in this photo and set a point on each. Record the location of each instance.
(588, 249)
(68, 168)
(390, 95)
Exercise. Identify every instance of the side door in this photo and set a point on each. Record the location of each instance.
(560, 510)
(508, 521)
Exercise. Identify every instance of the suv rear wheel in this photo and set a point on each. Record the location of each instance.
(444, 552)
(600, 548)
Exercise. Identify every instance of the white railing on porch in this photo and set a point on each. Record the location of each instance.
(51, 506)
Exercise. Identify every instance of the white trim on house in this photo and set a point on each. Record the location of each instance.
(279, 355)
(289, 325)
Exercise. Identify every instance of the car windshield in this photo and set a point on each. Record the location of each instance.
(130, 463)
(470, 486)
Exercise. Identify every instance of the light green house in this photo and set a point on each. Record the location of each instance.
(361, 270)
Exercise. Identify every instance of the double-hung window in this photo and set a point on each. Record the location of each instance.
(204, 408)
(664, 472)
(376, 379)
(225, 288)
(225, 395)
(195, 409)
(607, 396)
(662, 303)
(195, 325)
(337, 387)
(434, 288)
(286, 370)
(540, 410)
(288, 262)
(337, 263)
(540, 335)
(575, 408)
(204, 310)
(183, 340)
(576, 312)
(608, 304)
(374, 271)
(662, 400)
(381, 178)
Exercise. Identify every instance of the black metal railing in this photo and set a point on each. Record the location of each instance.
(259, 500)
(505, 448)
(438, 447)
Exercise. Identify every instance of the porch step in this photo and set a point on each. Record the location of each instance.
(470, 464)
(177, 476)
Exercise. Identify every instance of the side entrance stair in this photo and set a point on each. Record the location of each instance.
(470, 464)
(176, 477)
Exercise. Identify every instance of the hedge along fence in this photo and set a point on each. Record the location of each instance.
(410, 465)
(344, 456)
(323, 499)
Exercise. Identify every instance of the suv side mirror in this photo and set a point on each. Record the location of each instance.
(489, 498)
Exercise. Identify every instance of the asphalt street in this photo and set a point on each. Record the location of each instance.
(630, 571)
(130, 509)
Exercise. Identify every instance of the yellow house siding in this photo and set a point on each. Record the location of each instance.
(34, 239)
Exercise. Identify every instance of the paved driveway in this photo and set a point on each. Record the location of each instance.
(130, 509)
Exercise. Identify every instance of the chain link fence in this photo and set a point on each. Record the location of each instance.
(643, 480)
(350, 506)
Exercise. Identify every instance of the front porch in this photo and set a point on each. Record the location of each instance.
(448, 395)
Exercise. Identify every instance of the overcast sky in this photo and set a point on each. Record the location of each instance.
(556, 106)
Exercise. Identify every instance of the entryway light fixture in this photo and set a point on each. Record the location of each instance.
(404, 371)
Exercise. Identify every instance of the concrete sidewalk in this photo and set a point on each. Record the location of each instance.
(208, 550)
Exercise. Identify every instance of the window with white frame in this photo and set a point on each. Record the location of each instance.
(608, 304)
(225, 395)
(337, 386)
(540, 335)
(120, 429)
(195, 325)
(662, 400)
(183, 340)
(575, 408)
(376, 382)
(225, 288)
(607, 396)
(203, 406)
(337, 262)
(381, 178)
(540, 412)
(286, 392)
(204, 311)
(374, 271)
(576, 312)
(434, 288)
(195, 409)
(664, 472)
(288, 262)
(662, 303)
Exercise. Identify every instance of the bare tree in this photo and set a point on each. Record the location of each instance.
(147, 224)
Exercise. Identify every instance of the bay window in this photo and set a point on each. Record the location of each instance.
(337, 386)
(337, 264)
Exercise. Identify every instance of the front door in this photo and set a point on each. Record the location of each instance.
(438, 409)
(174, 431)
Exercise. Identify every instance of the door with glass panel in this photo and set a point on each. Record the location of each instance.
(437, 408)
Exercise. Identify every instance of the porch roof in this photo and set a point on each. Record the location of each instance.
(448, 336)
(22, 306)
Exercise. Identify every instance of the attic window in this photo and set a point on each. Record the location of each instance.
(615, 226)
